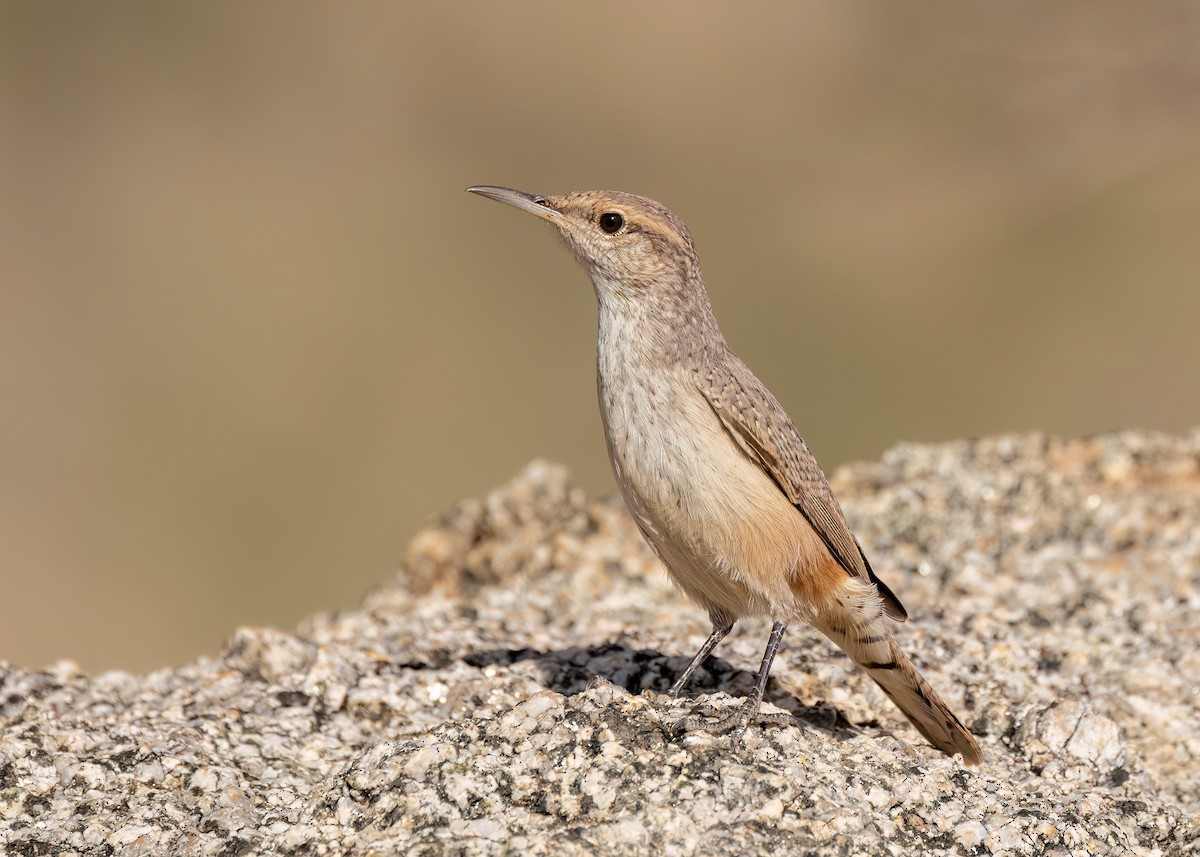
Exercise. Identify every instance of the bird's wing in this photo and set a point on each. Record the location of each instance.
(764, 432)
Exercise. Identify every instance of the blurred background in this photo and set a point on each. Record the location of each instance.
(252, 331)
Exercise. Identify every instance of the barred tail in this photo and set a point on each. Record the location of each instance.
(854, 620)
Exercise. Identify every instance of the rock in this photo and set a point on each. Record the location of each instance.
(505, 692)
(1069, 733)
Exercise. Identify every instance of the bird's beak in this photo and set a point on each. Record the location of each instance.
(532, 203)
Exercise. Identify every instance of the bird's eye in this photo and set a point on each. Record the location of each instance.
(611, 222)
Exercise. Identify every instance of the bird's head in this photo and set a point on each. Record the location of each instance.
(634, 249)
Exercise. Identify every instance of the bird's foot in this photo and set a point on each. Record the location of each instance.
(733, 724)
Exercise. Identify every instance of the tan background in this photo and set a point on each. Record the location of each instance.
(252, 330)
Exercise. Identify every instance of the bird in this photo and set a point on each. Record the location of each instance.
(713, 471)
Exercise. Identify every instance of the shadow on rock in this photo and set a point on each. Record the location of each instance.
(569, 671)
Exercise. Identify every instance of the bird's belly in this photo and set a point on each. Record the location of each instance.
(729, 537)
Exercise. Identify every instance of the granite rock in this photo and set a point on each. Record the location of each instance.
(504, 693)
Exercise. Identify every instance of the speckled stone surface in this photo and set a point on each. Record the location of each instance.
(503, 693)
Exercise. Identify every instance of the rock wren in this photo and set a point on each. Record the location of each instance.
(713, 471)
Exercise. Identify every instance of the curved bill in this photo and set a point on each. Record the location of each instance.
(534, 204)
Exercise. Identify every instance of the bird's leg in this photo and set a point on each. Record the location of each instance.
(719, 632)
(735, 724)
(754, 701)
